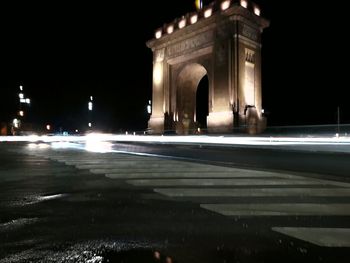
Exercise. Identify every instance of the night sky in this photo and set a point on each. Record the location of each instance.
(63, 53)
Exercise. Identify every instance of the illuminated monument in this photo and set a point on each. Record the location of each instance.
(223, 42)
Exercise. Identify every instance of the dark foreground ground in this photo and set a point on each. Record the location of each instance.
(54, 212)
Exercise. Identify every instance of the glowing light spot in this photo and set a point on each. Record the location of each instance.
(21, 96)
(208, 13)
(28, 101)
(98, 146)
(225, 5)
(43, 146)
(244, 3)
(194, 19)
(21, 113)
(90, 106)
(182, 23)
(16, 123)
(170, 29)
(257, 11)
(32, 145)
(158, 34)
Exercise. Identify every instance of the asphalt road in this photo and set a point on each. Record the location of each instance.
(69, 205)
(325, 163)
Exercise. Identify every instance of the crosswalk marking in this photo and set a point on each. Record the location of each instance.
(280, 209)
(325, 237)
(253, 192)
(171, 175)
(205, 182)
(224, 182)
(176, 178)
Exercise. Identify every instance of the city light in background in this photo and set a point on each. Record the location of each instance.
(90, 108)
(149, 107)
(22, 111)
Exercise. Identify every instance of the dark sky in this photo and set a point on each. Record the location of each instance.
(63, 53)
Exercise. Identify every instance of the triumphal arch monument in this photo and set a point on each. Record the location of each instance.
(221, 41)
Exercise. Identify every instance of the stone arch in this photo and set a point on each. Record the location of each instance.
(225, 45)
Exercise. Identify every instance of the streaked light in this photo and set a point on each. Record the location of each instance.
(225, 5)
(257, 10)
(22, 100)
(90, 124)
(244, 3)
(21, 113)
(91, 98)
(28, 101)
(90, 106)
(170, 29)
(76, 141)
(21, 96)
(194, 19)
(21, 88)
(158, 34)
(208, 12)
(149, 109)
(182, 23)
(48, 127)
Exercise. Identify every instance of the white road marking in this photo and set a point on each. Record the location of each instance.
(288, 209)
(223, 182)
(171, 175)
(253, 192)
(325, 237)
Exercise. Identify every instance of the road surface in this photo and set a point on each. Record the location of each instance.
(205, 205)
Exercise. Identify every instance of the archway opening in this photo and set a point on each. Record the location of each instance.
(191, 79)
(202, 102)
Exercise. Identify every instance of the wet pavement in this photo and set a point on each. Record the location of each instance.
(69, 205)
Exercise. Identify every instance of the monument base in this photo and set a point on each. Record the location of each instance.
(156, 125)
(220, 122)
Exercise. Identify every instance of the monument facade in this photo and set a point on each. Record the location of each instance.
(223, 42)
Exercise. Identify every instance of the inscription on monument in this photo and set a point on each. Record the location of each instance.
(191, 43)
(249, 32)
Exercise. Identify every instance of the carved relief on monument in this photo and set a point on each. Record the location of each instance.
(249, 79)
(191, 43)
